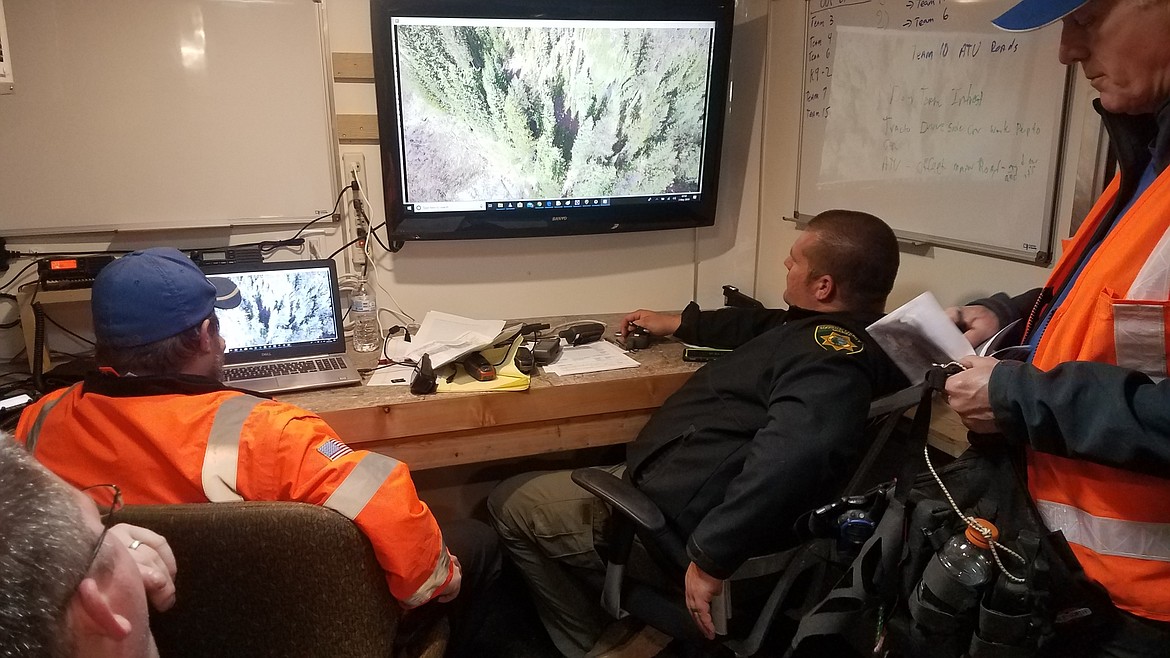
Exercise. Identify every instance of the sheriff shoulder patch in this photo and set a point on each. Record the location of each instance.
(832, 338)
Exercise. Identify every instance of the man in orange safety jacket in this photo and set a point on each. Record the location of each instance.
(157, 421)
(1088, 405)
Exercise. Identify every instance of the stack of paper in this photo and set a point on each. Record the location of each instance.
(591, 357)
(446, 338)
(918, 335)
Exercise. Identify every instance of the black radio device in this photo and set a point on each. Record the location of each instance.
(227, 255)
(71, 272)
(580, 333)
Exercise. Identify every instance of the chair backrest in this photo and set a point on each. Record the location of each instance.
(270, 579)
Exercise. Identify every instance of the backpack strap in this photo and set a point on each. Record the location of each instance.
(874, 575)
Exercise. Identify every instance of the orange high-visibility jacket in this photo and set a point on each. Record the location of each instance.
(1117, 521)
(177, 440)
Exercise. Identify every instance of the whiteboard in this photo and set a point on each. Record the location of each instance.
(144, 114)
(924, 114)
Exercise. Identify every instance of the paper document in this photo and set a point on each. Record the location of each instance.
(591, 357)
(445, 337)
(918, 335)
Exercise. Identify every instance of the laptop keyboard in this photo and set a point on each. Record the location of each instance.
(256, 371)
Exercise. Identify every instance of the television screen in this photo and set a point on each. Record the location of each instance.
(532, 117)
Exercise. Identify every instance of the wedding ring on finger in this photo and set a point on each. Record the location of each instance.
(135, 544)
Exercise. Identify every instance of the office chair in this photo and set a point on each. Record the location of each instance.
(803, 567)
(274, 579)
(732, 296)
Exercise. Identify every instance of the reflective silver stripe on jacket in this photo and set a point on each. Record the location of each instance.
(351, 497)
(438, 576)
(1139, 331)
(223, 449)
(1136, 539)
(1139, 335)
(34, 433)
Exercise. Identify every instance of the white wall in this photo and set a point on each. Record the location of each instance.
(953, 276)
(580, 274)
(511, 278)
(514, 278)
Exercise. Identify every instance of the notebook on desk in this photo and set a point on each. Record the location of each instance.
(286, 334)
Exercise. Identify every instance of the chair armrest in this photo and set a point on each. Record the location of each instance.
(622, 496)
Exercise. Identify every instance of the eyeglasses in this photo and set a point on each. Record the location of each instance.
(108, 498)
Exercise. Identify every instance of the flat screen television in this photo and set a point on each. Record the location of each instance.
(513, 118)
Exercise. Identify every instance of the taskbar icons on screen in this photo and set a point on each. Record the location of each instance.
(588, 202)
(545, 204)
(548, 203)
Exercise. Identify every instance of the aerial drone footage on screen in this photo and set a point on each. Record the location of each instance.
(549, 119)
(565, 112)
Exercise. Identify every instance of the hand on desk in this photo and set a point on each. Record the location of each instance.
(658, 324)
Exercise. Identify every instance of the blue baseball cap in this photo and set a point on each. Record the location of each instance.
(152, 294)
(1034, 14)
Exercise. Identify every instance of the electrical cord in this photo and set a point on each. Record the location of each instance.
(66, 330)
(565, 325)
(336, 206)
(16, 277)
(397, 311)
(373, 230)
(386, 361)
(342, 248)
(16, 322)
(38, 365)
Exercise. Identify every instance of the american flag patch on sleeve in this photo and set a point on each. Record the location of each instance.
(334, 449)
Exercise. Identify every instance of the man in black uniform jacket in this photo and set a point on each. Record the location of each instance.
(750, 442)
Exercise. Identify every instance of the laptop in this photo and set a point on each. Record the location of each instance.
(286, 334)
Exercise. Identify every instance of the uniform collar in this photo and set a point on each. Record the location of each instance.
(1137, 137)
(798, 313)
(109, 383)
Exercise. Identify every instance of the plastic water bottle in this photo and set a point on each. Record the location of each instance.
(957, 574)
(363, 310)
(946, 599)
(967, 556)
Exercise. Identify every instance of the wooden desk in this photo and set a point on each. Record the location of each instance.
(555, 414)
(947, 432)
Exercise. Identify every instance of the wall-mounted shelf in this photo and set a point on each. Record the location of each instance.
(355, 68)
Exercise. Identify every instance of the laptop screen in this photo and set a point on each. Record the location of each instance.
(288, 309)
